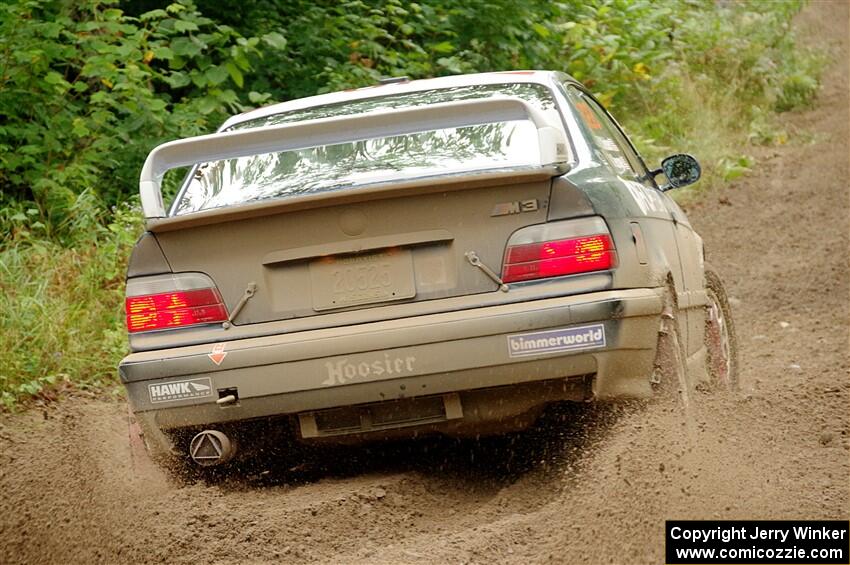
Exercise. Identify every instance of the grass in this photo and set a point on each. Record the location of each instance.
(724, 90)
(62, 321)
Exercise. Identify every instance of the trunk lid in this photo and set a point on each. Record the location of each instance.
(353, 250)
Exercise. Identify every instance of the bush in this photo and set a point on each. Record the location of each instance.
(87, 91)
(62, 322)
(332, 45)
(695, 75)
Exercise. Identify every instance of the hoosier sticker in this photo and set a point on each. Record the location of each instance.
(180, 390)
(550, 341)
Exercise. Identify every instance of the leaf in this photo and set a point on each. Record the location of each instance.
(258, 98)
(157, 105)
(79, 128)
(451, 64)
(177, 79)
(216, 75)
(443, 47)
(275, 40)
(198, 79)
(541, 30)
(184, 25)
(228, 97)
(31, 149)
(641, 70)
(153, 15)
(235, 74)
(241, 60)
(208, 105)
(164, 53)
(185, 47)
(54, 78)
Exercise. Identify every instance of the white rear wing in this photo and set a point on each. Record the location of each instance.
(553, 146)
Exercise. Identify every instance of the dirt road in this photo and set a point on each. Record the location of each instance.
(592, 485)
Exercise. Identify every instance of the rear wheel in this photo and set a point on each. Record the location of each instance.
(670, 376)
(720, 341)
(669, 373)
(150, 449)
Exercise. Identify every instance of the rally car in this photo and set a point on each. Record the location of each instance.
(442, 256)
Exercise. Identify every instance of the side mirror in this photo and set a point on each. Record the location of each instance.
(680, 169)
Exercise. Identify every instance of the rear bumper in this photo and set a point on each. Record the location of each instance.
(411, 357)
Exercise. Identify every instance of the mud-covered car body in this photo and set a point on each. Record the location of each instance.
(437, 256)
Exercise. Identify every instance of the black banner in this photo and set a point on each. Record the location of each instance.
(693, 542)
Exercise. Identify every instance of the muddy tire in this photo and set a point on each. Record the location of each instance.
(150, 449)
(720, 340)
(669, 374)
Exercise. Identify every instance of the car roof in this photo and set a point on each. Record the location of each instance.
(546, 78)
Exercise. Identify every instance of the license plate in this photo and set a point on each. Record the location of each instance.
(362, 279)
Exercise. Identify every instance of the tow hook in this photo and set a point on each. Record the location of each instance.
(211, 447)
(475, 261)
(250, 290)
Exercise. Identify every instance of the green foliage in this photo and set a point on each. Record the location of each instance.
(86, 91)
(619, 48)
(732, 168)
(694, 75)
(331, 45)
(62, 319)
(795, 91)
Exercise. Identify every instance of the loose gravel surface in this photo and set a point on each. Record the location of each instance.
(590, 484)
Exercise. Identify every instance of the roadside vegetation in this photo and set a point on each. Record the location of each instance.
(87, 88)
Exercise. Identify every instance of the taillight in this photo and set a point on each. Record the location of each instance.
(557, 249)
(176, 308)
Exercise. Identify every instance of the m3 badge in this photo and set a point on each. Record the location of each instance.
(515, 207)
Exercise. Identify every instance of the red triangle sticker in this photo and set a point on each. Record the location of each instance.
(218, 353)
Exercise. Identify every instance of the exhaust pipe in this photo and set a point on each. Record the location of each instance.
(211, 447)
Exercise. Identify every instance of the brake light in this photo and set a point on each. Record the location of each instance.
(174, 309)
(559, 249)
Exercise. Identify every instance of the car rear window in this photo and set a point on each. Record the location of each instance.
(337, 167)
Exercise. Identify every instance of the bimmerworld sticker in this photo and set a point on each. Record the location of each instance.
(180, 390)
(551, 341)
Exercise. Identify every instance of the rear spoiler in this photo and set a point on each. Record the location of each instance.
(344, 129)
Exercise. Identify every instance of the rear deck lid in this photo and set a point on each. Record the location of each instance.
(361, 254)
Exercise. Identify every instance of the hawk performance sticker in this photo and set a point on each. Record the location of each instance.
(180, 390)
(551, 341)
